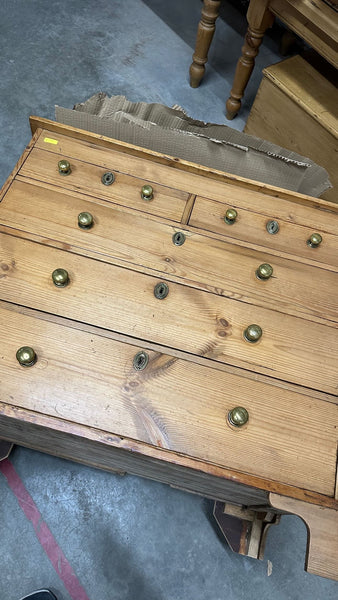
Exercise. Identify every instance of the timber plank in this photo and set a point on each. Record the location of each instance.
(93, 383)
(189, 319)
(222, 268)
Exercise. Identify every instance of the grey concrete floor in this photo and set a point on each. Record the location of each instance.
(125, 538)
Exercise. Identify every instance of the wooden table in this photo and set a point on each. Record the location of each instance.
(313, 20)
(184, 331)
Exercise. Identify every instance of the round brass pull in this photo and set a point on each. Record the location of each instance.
(108, 178)
(314, 240)
(253, 333)
(178, 238)
(230, 216)
(238, 416)
(64, 167)
(140, 361)
(272, 227)
(147, 192)
(85, 220)
(26, 356)
(161, 290)
(60, 277)
(264, 271)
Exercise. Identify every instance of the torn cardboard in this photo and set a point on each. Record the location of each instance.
(171, 131)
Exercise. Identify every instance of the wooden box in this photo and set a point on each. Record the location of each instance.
(184, 331)
(297, 108)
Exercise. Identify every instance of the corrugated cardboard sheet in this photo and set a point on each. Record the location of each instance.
(171, 131)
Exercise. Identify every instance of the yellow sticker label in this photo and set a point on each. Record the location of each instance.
(50, 141)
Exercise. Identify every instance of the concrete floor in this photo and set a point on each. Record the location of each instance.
(124, 537)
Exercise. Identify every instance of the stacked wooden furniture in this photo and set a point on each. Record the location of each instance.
(168, 320)
(315, 21)
(297, 108)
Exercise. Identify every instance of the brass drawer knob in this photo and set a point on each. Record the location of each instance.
(264, 271)
(230, 216)
(85, 220)
(108, 178)
(314, 240)
(26, 356)
(64, 167)
(253, 333)
(161, 290)
(147, 192)
(60, 277)
(140, 361)
(238, 416)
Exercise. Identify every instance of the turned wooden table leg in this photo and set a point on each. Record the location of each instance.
(205, 32)
(246, 63)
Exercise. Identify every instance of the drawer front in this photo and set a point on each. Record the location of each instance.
(222, 268)
(187, 319)
(85, 177)
(172, 404)
(251, 226)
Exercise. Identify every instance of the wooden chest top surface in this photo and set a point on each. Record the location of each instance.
(200, 365)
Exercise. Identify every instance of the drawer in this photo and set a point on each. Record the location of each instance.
(85, 378)
(167, 203)
(251, 227)
(123, 237)
(188, 319)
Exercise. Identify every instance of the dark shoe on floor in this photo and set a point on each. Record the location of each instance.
(40, 595)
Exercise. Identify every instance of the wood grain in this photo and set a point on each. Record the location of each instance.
(201, 360)
(188, 319)
(86, 379)
(251, 226)
(126, 190)
(322, 528)
(195, 179)
(313, 21)
(124, 238)
(107, 451)
(298, 209)
(296, 107)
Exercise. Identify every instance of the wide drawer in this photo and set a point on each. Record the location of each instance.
(251, 226)
(174, 404)
(123, 237)
(167, 202)
(187, 319)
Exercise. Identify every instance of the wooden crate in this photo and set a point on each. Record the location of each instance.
(297, 108)
(86, 396)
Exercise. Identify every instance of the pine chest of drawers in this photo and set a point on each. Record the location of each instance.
(174, 322)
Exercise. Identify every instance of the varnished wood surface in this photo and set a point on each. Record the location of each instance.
(322, 529)
(122, 238)
(167, 203)
(107, 451)
(199, 179)
(251, 226)
(173, 404)
(189, 319)
(312, 20)
(296, 107)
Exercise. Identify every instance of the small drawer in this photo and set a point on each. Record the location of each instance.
(125, 190)
(267, 231)
(122, 237)
(176, 316)
(173, 404)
